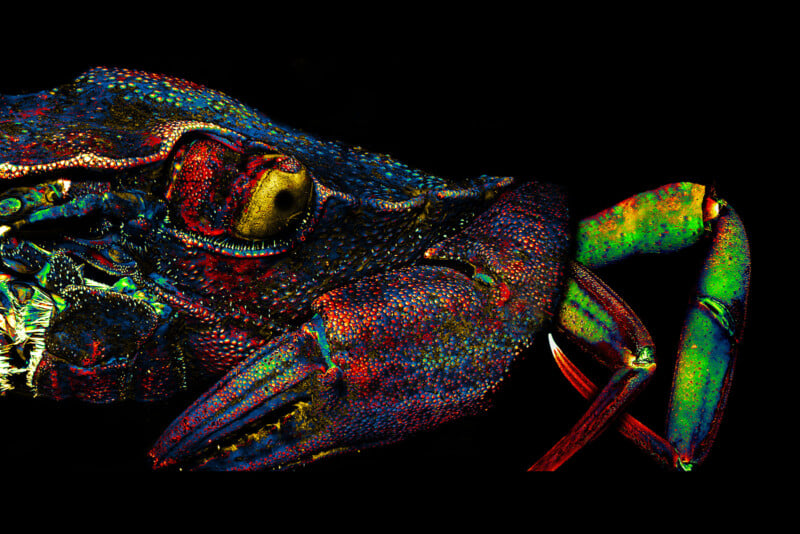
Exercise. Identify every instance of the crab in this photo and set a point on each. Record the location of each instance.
(158, 236)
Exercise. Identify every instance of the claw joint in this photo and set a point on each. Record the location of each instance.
(720, 312)
(645, 357)
(316, 329)
(713, 207)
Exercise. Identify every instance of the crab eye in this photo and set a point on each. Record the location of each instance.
(238, 198)
(275, 199)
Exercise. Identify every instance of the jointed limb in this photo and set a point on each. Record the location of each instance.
(595, 317)
(662, 221)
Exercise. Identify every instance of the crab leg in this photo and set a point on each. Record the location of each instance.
(667, 220)
(709, 342)
(595, 317)
(627, 425)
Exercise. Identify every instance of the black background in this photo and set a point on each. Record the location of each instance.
(606, 109)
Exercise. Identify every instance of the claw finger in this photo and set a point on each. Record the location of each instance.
(232, 423)
(575, 377)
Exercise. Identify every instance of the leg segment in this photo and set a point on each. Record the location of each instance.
(596, 318)
(661, 221)
(709, 343)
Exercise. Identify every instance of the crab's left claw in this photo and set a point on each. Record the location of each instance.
(388, 355)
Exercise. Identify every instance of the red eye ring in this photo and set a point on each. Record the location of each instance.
(247, 200)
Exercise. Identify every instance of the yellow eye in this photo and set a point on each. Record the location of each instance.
(277, 198)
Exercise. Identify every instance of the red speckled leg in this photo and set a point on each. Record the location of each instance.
(596, 318)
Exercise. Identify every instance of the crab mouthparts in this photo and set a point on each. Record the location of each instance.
(25, 313)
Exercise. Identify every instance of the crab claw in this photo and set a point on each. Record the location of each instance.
(384, 357)
(364, 371)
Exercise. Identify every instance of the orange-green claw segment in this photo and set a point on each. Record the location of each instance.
(709, 343)
(663, 220)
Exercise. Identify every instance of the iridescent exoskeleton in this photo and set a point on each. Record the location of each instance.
(157, 234)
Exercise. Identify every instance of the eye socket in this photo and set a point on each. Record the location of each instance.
(221, 193)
